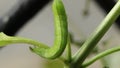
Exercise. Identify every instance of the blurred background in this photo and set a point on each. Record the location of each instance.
(38, 25)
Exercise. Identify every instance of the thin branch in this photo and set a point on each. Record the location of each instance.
(101, 55)
(96, 36)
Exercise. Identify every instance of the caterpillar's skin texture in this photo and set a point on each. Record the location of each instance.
(61, 33)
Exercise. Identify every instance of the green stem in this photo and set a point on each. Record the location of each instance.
(6, 40)
(107, 52)
(91, 42)
(68, 50)
(68, 57)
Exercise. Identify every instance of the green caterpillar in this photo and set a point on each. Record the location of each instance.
(61, 32)
(61, 35)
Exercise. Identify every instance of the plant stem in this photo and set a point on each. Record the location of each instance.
(68, 50)
(107, 52)
(68, 57)
(5, 40)
(91, 42)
